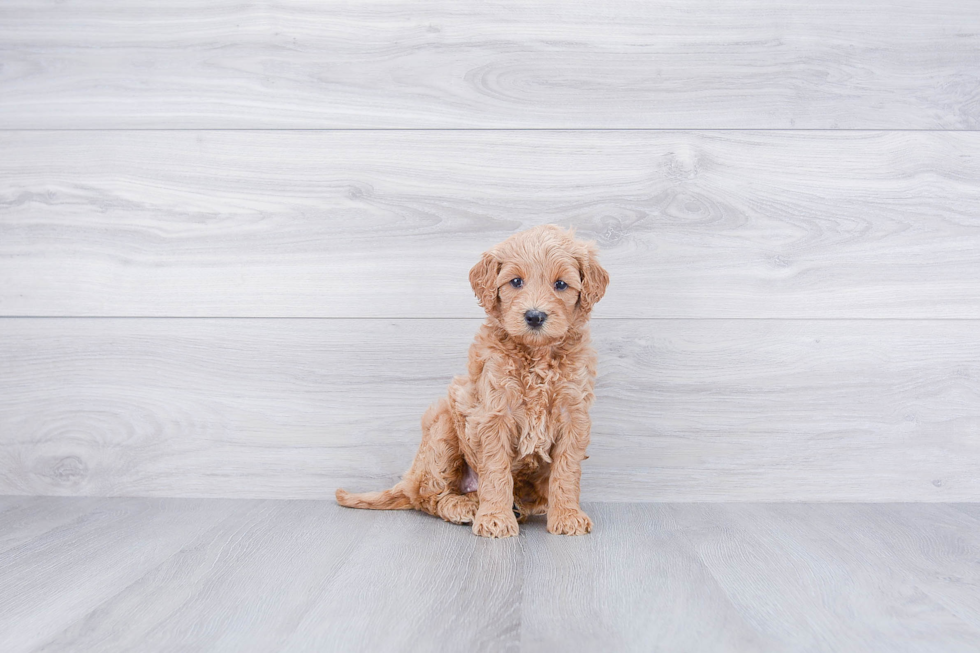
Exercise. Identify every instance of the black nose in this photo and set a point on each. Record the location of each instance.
(535, 319)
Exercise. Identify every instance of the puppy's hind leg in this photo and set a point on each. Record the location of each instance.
(439, 468)
(458, 508)
(434, 472)
(461, 508)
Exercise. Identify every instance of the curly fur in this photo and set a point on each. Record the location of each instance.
(516, 425)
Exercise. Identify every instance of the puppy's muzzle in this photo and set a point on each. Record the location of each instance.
(535, 319)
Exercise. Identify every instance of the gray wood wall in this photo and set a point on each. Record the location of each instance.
(234, 238)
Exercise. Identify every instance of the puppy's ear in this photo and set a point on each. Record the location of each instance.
(594, 278)
(483, 279)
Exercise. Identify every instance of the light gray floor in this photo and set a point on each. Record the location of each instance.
(237, 575)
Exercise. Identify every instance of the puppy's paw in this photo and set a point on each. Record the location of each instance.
(495, 524)
(458, 509)
(568, 522)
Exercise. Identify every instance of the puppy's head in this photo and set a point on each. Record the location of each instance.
(539, 283)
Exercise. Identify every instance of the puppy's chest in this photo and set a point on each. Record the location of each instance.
(538, 406)
(539, 381)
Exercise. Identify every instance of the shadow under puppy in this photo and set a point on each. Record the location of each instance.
(512, 432)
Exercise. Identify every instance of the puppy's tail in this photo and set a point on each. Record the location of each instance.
(393, 499)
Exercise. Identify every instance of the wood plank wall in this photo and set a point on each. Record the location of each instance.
(234, 238)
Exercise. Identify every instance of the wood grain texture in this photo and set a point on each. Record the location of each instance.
(638, 585)
(770, 560)
(311, 576)
(417, 584)
(687, 410)
(824, 64)
(241, 583)
(388, 224)
(930, 556)
(53, 580)
(25, 518)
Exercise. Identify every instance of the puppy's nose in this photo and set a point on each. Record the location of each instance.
(535, 319)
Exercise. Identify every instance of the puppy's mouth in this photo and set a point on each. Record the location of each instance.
(540, 336)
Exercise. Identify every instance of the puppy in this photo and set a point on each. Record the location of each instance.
(508, 440)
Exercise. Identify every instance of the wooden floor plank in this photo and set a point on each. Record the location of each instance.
(796, 574)
(634, 584)
(687, 410)
(260, 569)
(388, 224)
(969, 508)
(25, 518)
(824, 64)
(55, 579)
(471, 598)
(942, 560)
(163, 575)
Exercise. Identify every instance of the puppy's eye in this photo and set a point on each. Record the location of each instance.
(517, 282)
(560, 285)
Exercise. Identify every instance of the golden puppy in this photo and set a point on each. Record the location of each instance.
(509, 439)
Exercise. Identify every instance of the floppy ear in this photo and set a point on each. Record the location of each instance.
(594, 278)
(483, 279)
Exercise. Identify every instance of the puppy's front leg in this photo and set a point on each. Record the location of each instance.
(565, 517)
(495, 517)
